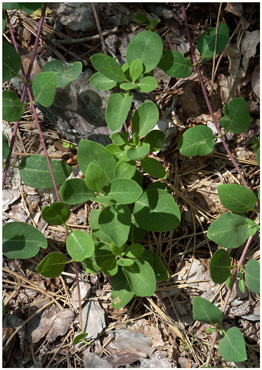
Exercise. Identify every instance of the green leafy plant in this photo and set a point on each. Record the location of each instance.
(230, 230)
(141, 18)
(125, 211)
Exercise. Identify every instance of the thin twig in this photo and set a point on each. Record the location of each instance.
(99, 29)
(214, 57)
(87, 38)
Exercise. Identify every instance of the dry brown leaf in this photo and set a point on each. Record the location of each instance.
(126, 339)
(46, 322)
(60, 325)
(123, 358)
(234, 8)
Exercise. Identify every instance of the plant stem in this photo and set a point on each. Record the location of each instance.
(229, 292)
(26, 88)
(240, 263)
(207, 100)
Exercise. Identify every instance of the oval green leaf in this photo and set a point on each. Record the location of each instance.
(34, 172)
(153, 167)
(258, 157)
(102, 82)
(56, 214)
(119, 138)
(198, 140)
(95, 177)
(236, 198)
(136, 233)
(116, 250)
(71, 73)
(94, 224)
(118, 106)
(124, 169)
(21, 240)
(5, 146)
(75, 191)
(141, 278)
(124, 191)
(233, 347)
(220, 266)
(13, 108)
(134, 250)
(90, 266)
(125, 262)
(121, 293)
(44, 88)
(53, 66)
(146, 46)
(156, 139)
(79, 338)
(102, 253)
(206, 44)
(174, 64)
(230, 230)
(161, 272)
(252, 276)
(3, 21)
(136, 69)
(205, 311)
(144, 118)
(115, 149)
(108, 67)
(115, 222)
(136, 152)
(90, 151)
(156, 211)
(236, 116)
(147, 84)
(80, 245)
(52, 265)
(11, 61)
(128, 86)
(110, 267)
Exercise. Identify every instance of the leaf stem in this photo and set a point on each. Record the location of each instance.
(206, 97)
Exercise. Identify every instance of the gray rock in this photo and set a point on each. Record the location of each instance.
(78, 111)
(92, 361)
(77, 16)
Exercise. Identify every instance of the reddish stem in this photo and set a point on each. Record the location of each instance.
(26, 88)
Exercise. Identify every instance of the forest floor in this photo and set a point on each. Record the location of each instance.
(157, 331)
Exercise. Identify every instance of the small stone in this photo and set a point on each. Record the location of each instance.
(93, 319)
(92, 361)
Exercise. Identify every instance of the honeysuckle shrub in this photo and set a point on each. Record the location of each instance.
(124, 210)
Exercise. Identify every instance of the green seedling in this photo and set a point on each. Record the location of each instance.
(141, 18)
